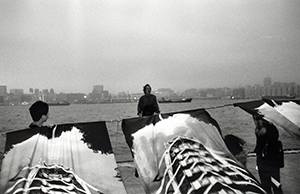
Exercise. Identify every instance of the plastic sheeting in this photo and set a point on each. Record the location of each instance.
(71, 158)
(150, 139)
(284, 114)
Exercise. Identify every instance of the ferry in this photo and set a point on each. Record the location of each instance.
(63, 103)
(175, 100)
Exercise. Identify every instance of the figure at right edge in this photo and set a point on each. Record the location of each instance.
(269, 155)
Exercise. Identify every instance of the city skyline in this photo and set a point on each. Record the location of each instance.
(267, 80)
(72, 45)
(99, 95)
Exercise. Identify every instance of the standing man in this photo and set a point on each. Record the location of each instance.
(269, 154)
(147, 105)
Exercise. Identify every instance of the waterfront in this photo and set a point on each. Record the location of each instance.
(232, 120)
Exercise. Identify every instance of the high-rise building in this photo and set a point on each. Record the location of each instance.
(45, 91)
(98, 89)
(190, 92)
(267, 82)
(17, 92)
(3, 90)
(37, 92)
(165, 92)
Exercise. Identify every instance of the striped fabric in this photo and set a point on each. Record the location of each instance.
(190, 168)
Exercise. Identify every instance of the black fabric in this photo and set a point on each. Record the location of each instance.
(270, 137)
(249, 107)
(272, 154)
(234, 144)
(271, 101)
(95, 135)
(265, 175)
(24, 134)
(132, 125)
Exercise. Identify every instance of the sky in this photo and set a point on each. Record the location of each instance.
(72, 45)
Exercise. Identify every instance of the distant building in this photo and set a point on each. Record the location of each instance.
(239, 93)
(123, 94)
(202, 93)
(45, 91)
(105, 94)
(76, 97)
(255, 91)
(3, 90)
(16, 92)
(1, 99)
(51, 96)
(36, 91)
(61, 97)
(98, 89)
(267, 82)
(3, 93)
(165, 92)
(37, 95)
(136, 96)
(190, 92)
(26, 98)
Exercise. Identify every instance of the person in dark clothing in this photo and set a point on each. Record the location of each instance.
(236, 147)
(269, 155)
(147, 105)
(39, 112)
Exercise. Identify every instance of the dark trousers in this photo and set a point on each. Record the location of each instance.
(266, 174)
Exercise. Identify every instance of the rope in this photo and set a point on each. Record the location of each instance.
(121, 118)
(285, 151)
(117, 136)
(221, 106)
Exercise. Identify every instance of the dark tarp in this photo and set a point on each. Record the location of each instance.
(132, 125)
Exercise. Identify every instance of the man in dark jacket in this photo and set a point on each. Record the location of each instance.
(269, 155)
(147, 105)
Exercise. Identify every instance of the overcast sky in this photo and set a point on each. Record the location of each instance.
(72, 45)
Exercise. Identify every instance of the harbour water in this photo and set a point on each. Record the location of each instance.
(232, 120)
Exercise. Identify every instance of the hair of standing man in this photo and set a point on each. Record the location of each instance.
(144, 88)
(38, 109)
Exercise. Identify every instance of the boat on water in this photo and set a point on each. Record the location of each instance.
(24, 103)
(63, 103)
(163, 100)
